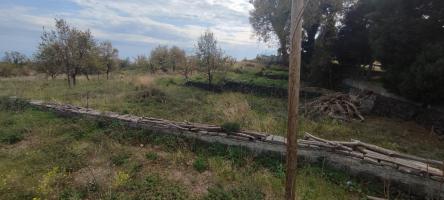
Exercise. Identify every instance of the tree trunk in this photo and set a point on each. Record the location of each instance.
(87, 76)
(210, 79)
(283, 52)
(69, 79)
(107, 75)
(73, 78)
(293, 98)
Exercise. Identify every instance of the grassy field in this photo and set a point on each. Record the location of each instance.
(164, 96)
(59, 158)
(43, 156)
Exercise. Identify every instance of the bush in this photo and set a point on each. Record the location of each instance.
(243, 192)
(6, 70)
(155, 187)
(231, 127)
(423, 81)
(200, 164)
(120, 158)
(11, 137)
(152, 156)
(14, 105)
(9, 70)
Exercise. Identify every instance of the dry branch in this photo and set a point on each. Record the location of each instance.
(337, 105)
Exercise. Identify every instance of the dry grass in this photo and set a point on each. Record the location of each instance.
(81, 159)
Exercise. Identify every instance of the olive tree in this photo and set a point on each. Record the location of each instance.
(208, 54)
(67, 47)
(177, 57)
(160, 57)
(47, 61)
(109, 56)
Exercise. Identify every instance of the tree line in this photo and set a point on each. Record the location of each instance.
(208, 58)
(343, 38)
(71, 52)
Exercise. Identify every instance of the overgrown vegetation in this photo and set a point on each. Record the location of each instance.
(405, 37)
(166, 97)
(75, 159)
(43, 156)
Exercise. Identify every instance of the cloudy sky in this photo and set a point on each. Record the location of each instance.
(134, 26)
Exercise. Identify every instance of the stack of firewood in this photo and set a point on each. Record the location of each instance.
(336, 105)
(378, 156)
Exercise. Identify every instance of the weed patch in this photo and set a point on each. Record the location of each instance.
(152, 156)
(243, 192)
(200, 164)
(120, 158)
(10, 137)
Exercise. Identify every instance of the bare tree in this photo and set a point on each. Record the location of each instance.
(208, 54)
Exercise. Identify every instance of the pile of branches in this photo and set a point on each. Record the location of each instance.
(336, 105)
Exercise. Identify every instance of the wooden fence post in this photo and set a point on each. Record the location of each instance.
(293, 97)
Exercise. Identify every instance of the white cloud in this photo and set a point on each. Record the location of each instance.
(153, 22)
(228, 19)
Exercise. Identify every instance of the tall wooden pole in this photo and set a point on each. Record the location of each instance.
(293, 97)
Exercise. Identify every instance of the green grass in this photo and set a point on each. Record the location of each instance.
(166, 97)
(249, 77)
(73, 158)
(200, 164)
(152, 156)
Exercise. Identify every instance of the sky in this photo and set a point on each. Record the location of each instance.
(134, 26)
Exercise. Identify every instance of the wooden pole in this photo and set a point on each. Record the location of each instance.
(293, 97)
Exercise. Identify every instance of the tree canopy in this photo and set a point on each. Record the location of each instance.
(209, 54)
(73, 52)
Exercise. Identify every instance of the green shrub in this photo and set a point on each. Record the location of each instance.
(120, 158)
(61, 151)
(11, 137)
(231, 127)
(155, 187)
(14, 105)
(152, 156)
(200, 164)
(243, 192)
